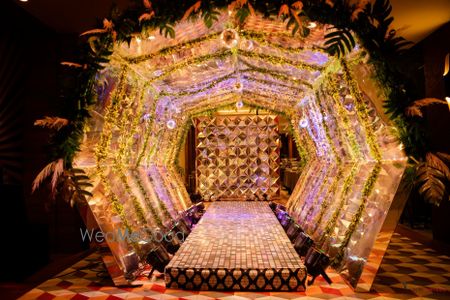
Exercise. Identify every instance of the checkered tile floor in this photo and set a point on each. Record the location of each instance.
(409, 271)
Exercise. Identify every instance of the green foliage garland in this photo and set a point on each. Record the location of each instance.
(147, 199)
(327, 199)
(370, 26)
(331, 86)
(343, 197)
(367, 190)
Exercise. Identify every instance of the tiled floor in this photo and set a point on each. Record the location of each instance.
(409, 271)
(237, 235)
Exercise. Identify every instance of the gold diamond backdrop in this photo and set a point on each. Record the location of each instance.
(238, 156)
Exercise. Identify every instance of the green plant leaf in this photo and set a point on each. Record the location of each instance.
(339, 42)
(167, 30)
(210, 16)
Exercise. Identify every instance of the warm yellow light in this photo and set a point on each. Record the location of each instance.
(448, 101)
(312, 25)
(23, 0)
(447, 64)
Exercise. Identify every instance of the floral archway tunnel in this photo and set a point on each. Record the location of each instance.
(323, 65)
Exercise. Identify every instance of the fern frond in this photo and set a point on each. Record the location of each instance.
(46, 172)
(433, 177)
(435, 162)
(52, 122)
(415, 109)
(57, 171)
(445, 157)
(193, 9)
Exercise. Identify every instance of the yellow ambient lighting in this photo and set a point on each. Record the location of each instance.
(312, 25)
(447, 64)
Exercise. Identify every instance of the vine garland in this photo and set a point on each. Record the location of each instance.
(367, 23)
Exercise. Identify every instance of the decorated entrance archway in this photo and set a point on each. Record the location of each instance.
(149, 70)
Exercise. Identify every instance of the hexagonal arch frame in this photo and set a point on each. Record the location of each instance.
(345, 191)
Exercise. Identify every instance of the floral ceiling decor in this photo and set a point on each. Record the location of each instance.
(326, 66)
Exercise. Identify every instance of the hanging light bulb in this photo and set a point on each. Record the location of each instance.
(312, 25)
(171, 124)
(303, 123)
(230, 38)
(238, 86)
(447, 78)
(239, 104)
(447, 64)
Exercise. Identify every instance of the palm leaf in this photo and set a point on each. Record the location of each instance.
(75, 183)
(73, 65)
(339, 42)
(52, 122)
(433, 176)
(55, 168)
(284, 10)
(242, 14)
(444, 157)
(146, 16)
(93, 31)
(431, 186)
(57, 171)
(193, 9)
(379, 15)
(167, 30)
(415, 109)
(210, 16)
(435, 162)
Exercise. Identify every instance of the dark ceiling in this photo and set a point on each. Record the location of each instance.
(70, 16)
(415, 19)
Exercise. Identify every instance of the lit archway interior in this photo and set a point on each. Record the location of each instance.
(151, 89)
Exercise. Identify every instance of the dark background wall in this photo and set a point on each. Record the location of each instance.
(435, 48)
(425, 63)
(35, 229)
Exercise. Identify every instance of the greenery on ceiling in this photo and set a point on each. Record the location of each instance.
(367, 23)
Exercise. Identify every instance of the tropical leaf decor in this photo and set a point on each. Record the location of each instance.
(433, 177)
(340, 42)
(432, 173)
(352, 23)
(415, 109)
(71, 183)
(73, 186)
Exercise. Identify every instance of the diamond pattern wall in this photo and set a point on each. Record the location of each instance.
(237, 156)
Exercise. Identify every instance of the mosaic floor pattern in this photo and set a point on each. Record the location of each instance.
(237, 246)
(409, 271)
